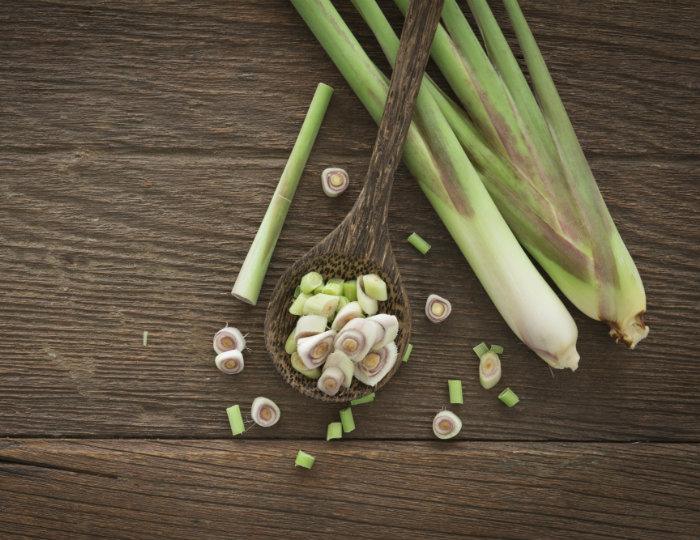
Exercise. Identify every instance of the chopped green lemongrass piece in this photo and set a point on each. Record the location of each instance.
(481, 349)
(304, 460)
(235, 419)
(407, 354)
(252, 273)
(297, 307)
(334, 181)
(265, 412)
(417, 242)
(310, 282)
(496, 349)
(489, 369)
(334, 431)
(446, 425)
(350, 290)
(347, 420)
(230, 362)
(369, 398)
(368, 304)
(228, 339)
(342, 302)
(290, 346)
(508, 397)
(321, 304)
(297, 291)
(333, 286)
(145, 338)
(299, 366)
(374, 287)
(437, 308)
(455, 388)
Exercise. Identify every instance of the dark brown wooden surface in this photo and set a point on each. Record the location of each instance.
(139, 146)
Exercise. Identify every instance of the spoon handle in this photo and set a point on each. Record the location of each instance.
(414, 49)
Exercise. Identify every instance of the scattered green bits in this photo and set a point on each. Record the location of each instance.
(304, 460)
(481, 349)
(455, 388)
(407, 354)
(334, 286)
(334, 431)
(350, 290)
(369, 398)
(310, 282)
(145, 338)
(509, 397)
(347, 420)
(417, 242)
(235, 419)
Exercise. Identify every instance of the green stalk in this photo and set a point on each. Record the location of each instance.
(252, 273)
(437, 160)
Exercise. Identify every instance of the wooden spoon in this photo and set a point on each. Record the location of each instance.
(360, 244)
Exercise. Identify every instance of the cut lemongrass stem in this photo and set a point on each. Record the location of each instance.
(374, 287)
(252, 272)
(304, 460)
(297, 307)
(455, 388)
(310, 282)
(446, 425)
(227, 339)
(347, 420)
(145, 338)
(351, 310)
(313, 350)
(334, 431)
(309, 325)
(331, 381)
(407, 354)
(496, 349)
(334, 181)
(230, 362)
(235, 419)
(437, 308)
(369, 398)
(389, 325)
(290, 346)
(481, 349)
(265, 412)
(350, 290)
(321, 304)
(489, 369)
(417, 242)
(509, 397)
(299, 366)
(333, 286)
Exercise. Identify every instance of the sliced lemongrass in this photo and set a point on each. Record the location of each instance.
(230, 362)
(351, 311)
(265, 412)
(437, 308)
(290, 346)
(145, 338)
(309, 325)
(389, 328)
(235, 419)
(297, 291)
(304, 460)
(407, 354)
(489, 369)
(376, 364)
(299, 366)
(297, 307)
(368, 304)
(334, 286)
(334, 181)
(228, 339)
(318, 289)
(342, 302)
(455, 389)
(313, 350)
(369, 398)
(374, 287)
(350, 290)
(331, 381)
(339, 359)
(356, 338)
(481, 349)
(334, 431)
(446, 425)
(417, 242)
(347, 420)
(508, 397)
(252, 273)
(496, 349)
(310, 282)
(321, 304)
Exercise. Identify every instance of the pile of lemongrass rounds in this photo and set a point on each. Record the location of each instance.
(504, 170)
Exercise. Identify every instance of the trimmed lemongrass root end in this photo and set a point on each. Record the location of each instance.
(235, 419)
(304, 460)
(265, 412)
(334, 431)
(489, 369)
(417, 242)
(252, 273)
(369, 398)
(347, 420)
(229, 338)
(230, 362)
(437, 308)
(455, 388)
(446, 425)
(509, 397)
(407, 354)
(334, 181)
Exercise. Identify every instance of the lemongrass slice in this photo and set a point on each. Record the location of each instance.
(313, 350)
(230, 362)
(437, 308)
(331, 381)
(368, 304)
(334, 181)
(342, 302)
(297, 307)
(446, 425)
(304, 460)
(264, 411)
(334, 431)
(455, 388)
(145, 338)
(310, 282)
(334, 287)
(374, 287)
(228, 339)
(417, 242)
(339, 359)
(309, 325)
(351, 311)
(509, 397)
(369, 398)
(489, 364)
(356, 338)
(389, 328)
(235, 419)
(321, 304)
(347, 420)
(376, 364)
(299, 366)
(407, 354)
(290, 346)
(350, 290)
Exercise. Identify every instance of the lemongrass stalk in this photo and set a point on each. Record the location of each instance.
(446, 176)
(252, 273)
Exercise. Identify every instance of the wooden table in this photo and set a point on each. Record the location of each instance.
(139, 146)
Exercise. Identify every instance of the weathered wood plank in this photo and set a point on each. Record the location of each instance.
(237, 489)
